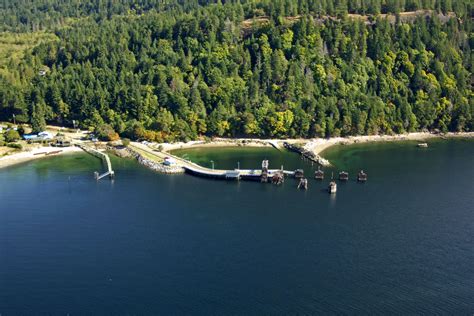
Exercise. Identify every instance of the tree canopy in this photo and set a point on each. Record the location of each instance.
(285, 68)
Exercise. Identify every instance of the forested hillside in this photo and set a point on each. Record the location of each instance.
(35, 15)
(176, 70)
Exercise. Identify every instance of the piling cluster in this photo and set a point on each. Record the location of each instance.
(343, 176)
(278, 178)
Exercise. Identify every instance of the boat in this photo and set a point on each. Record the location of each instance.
(319, 174)
(343, 176)
(362, 176)
(422, 145)
(332, 188)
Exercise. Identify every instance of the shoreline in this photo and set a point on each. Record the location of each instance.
(315, 146)
(217, 142)
(37, 153)
(318, 146)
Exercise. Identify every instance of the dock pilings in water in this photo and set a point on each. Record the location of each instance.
(264, 175)
(303, 184)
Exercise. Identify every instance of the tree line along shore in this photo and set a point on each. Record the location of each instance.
(168, 72)
(25, 151)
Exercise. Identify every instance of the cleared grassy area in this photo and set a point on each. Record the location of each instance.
(406, 17)
(147, 155)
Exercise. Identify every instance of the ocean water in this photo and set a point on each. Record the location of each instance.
(147, 243)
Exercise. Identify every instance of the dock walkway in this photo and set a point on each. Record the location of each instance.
(105, 158)
(195, 169)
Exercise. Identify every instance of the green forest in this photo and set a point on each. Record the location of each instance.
(169, 70)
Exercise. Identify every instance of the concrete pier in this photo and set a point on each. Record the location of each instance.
(197, 170)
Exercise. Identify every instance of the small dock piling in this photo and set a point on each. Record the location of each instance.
(332, 188)
(362, 176)
(278, 178)
(343, 176)
(319, 174)
(299, 173)
(303, 184)
(264, 175)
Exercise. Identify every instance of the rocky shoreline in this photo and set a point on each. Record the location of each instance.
(310, 155)
(159, 167)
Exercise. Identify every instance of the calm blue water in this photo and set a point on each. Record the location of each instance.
(155, 244)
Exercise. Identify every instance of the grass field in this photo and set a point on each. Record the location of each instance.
(152, 157)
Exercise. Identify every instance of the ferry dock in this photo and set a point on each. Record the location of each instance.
(167, 163)
(236, 174)
(264, 174)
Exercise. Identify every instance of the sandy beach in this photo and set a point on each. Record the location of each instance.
(318, 145)
(219, 142)
(37, 153)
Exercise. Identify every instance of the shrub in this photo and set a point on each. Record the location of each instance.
(134, 130)
(106, 132)
(15, 145)
(125, 142)
(11, 136)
